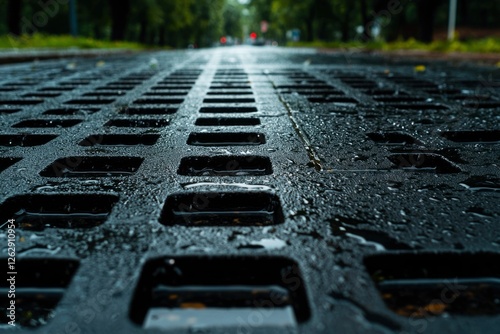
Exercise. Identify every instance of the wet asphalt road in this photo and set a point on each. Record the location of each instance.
(252, 190)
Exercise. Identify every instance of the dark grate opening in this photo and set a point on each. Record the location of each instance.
(152, 110)
(332, 99)
(25, 140)
(9, 111)
(158, 101)
(39, 289)
(116, 87)
(472, 137)
(56, 89)
(93, 167)
(23, 102)
(482, 105)
(226, 139)
(229, 86)
(235, 288)
(424, 162)
(403, 99)
(224, 110)
(225, 166)
(417, 106)
(160, 93)
(427, 285)
(42, 95)
(66, 211)
(229, 100)
(227, 92)
(102, 94)
(222, 209)
(393, 138)
(90, 101)
(227, 121)
(7, 162)
(120, 140)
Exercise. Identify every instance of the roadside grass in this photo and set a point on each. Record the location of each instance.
(37, 41)
(486, 45)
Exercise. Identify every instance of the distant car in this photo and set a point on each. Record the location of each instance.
(259, 42)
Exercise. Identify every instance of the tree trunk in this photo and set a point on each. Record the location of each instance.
(345, 32)
(98, 31)
(162, 36)
(14, 9)
(346, 23)
(426, 12)
(464, 13)
(120, 10)
(309, 31)
(143, 31)
(367, 34)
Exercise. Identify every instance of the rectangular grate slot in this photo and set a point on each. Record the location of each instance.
(76, 82)
(225, 92)
(229, 86)
(42, 95)
(104, 94)
(7, 162)
(229, 100)
(226, 110)
(36, 212)
(237, 288)
(148, 111)
(116, 87)
(47, 123)
(226, 139)
(379, 92)
(120, 140)
(308, 87)
(332, 99)
(158, 101)
(473, 137)
(230, 82)
(403, 99)
(24, 102)
(225, 166)
(56, 89)
(71, 111)
(312, 92)
(138, 123)
(160, 93)
(176, 82)
(417, 106)
(90, 101)
(224, 121)
(482, 105)
(92, 167)
(39, 289)
(222, 209)
(424, 162)
(25, 140)
(393, 138)
(424, 285)
(4, 111)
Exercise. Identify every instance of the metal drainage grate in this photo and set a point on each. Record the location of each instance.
(252, 191)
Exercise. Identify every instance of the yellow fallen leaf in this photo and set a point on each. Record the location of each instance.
(197, 306)
(420, 68)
